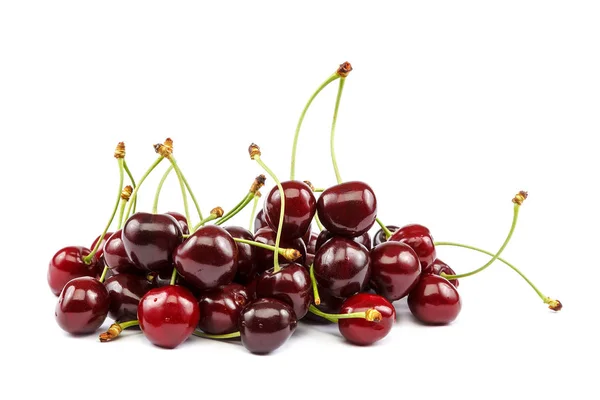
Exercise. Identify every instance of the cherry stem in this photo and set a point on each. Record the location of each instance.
(333, 124)
(316, 296)
(299, 125)
(318, 221)
(88, 259)
(188, 187)
(121, 213)
(371, 315)
(132, 181)
(173, 277)
(239, 207)
(287, 253)
(545, 299)
(217, 337)
(133, 198)
(384, 228)
(253, 213)
(183, 188)
(115, 330)
(211, 217)
(159, 189)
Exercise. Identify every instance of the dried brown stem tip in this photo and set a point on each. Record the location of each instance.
(254, 150)
(344, 69)
(217, 211)
(291, 254)
(126, 192)
(373, 315)
(259, 182)
(310, 185)
(257, 194)
(520, 198)
(554, 305)
(120, 150)
(112, 333)
(165, 149)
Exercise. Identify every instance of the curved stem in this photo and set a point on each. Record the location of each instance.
(189, 189)
(288, 254)
(183, 188)
(115, 330)
(133, 197)
(318, 221)
(210, 217)
(384, 228)
(299, 125)
(332, 136)
(236, 210)
(218, 337)
(159, 189)
(253, 213)
(132, 181)
(370, 315)
(173, 277)
(316, 296)
(121, 213)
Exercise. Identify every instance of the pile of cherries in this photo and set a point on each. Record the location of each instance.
(175, 280)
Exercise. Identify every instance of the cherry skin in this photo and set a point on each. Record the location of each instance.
(266, 324)
(291, 284)
(300, 208)
(67, 264)
(395, 270)
(264, 258)
(82, 305)
(434, 301)
(325, 235)
(246, 267)
(308, 235)
(438, 267)
(208, 258)
(342, 267)
(311, 242)
(380, 235)
(150, 239)
(168, 315)
(260, 221)
(182, 221)
(100, 251)
(360, 331)
(419, 238)
(125, 292)
(310, 259)
(220, 309)
(348, 209)
(116, 258)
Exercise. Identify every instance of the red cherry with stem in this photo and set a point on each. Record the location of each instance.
(208, 258)
(100, 251)
(168, 315)
(220, 309)
(182, 221)
(361, 331)
(380, 235)
(300, 208)
(246, 267)
(434, 300)
(325, 235)
(260, 221)
(82, 305)
(419, 238)
(67, 264)
(263, 258)
(342, 267)
(291, 284)
(150, 240)
(348, 209)
(266, 324)
(125, 292)
(116, 258)
(395, 270)
(438, 267)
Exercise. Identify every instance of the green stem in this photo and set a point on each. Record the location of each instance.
(189, 189)
(318, 221)
(104, 272)
(333, 124)
(132, 182)
(316, 296)
(121, 213)
(282, 252)
(370, 315)
(173, 277)
(210, 217)
(384, 228)
(218, 337)
(133, 197)
(237, 209)
(253, 213)
(159, 189)
(186, 207)
(299, 125)
(318, 190)
(129, 324)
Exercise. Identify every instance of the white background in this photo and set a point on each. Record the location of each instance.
(452, 108)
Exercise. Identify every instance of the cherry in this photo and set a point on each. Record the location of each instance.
(300, 208)
(264, 258)
(310, 259)
(341, 267)
(434, 300)
(208, 258)
(168, 315)
(395, 269)
(246, 267)
(150, 239)
(362, 331)
(438, 267)
(115, 256)
(182, 220)
(100, 251)
(348, 209)
(82, 305)
(68, 264)
(419, 238)
(125, 292)
(325, 235)
(380, 235)
(251, 289)
(291, 284)
(266, 324)
(310, 240)
(220, 309)
(260, 221)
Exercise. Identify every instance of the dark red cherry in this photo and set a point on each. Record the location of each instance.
(329, 304)
(208, 258)
(220, 309)
(325, 235)
(150, 240)
(125, 292)
(434, 301)
(311, 244)
(100, 251)
(264, 258)
(266, 324)
(361, 331)
(341, 266)
(291, 284)
(300, 208)
(307, 235)
(116, 258)
(310, 259)
(260, 221)
(419, 238)
(251, 289)
(246, 267)
(380, 235)
(68, 264)
(395, 269)
(168, 315)
(82, 305)
(348, 209)
(438, 267)
(182, 221)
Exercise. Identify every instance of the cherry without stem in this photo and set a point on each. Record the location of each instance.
(180, 218)
(220, 309)
(82, 305)
(395, 269)
(260, 221)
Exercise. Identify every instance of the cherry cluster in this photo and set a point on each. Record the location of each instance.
(174, 279)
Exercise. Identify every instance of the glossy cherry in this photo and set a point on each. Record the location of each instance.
(342, 267)
(300, 208)
(291, 284)
(182, 221)
(264, 258)
(220, 309)
(68, 264)
(437, 267)
(246, 267)
(266, 324)
(325, 235)
(125, 292)
(348, 209)
(116, 258)
(434, 301)
(208, 258)
(395, 269)
(82, 305)
(361, 331)
(380, 235)
(260, 221)
(150, 239)
(419, 238)
(100, 251)
(168, 315)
